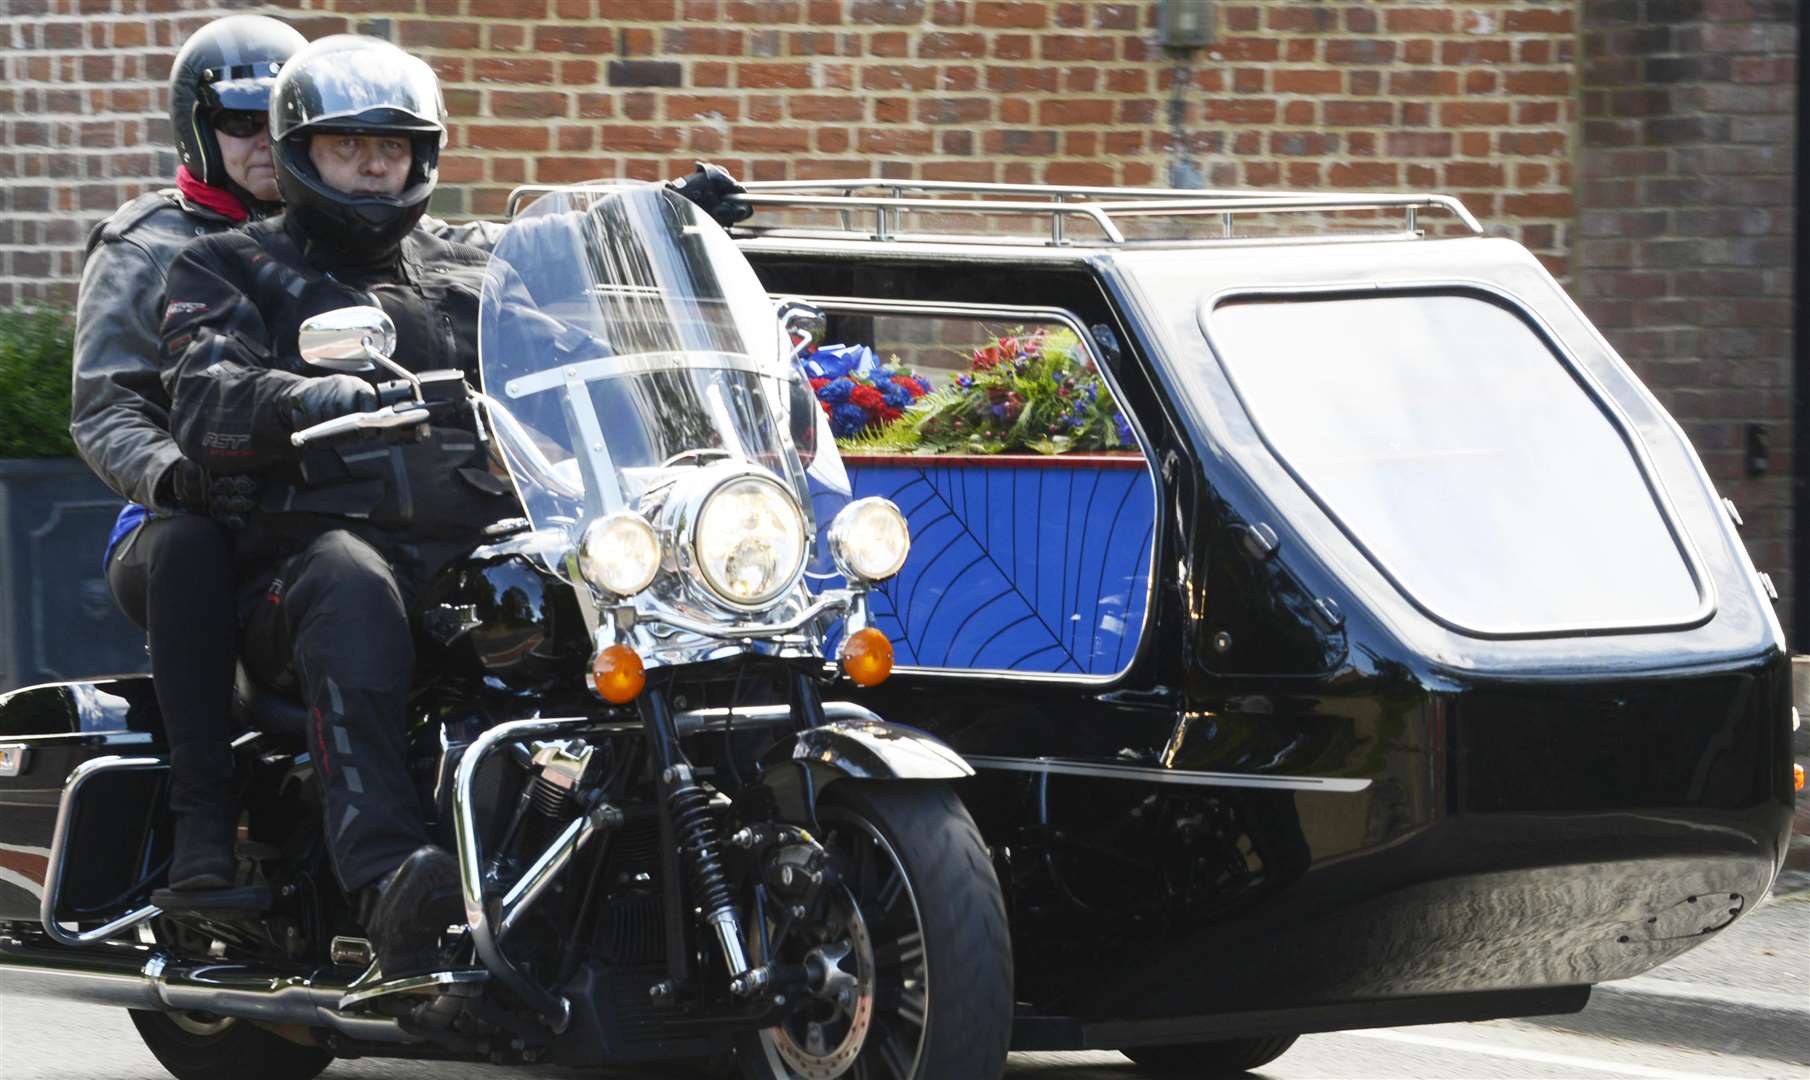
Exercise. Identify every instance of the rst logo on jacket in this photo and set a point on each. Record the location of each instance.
(219, 442)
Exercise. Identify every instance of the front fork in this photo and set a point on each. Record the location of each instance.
(691, 838)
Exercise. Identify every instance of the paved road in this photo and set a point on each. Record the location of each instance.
(52, 1041)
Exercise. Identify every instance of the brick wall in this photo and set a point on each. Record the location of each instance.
(1674, 114)
(1685, 227)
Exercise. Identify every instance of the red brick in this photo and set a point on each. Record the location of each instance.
(763, 11)
(1068, 47)
(894, 141)
(639, 137)
(1308, 81)
(1241, 111)
(1302, 18)
(886, 12)
(1079, 173)
(1058, 113)
(973, 172)
(1013, 47)
(1362, 174)
(505, 137)
(766, 138)
(944, 46)
(702, 41)
(1418, 21)
(1420, 144)
(1026, 16)
(1475, 52)
(1473, 174)
(567, 170)
(898, 77)
(697, 106)
(588, 40)
(1473, 113)
(505, 70)
(438, 34)
(526, 106)
(1011, 80)
(1537, 21)
(773, 76)
(892, 110)
(1423, 83)
(954, 110)
(1360, 51)
(1030, 143)
(1538, 205)
(826, 107)
(1544, 83)
(1358, 113)
(889, 45)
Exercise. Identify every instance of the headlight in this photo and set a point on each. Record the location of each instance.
(749, 540)
(619, 553)
(869, 539)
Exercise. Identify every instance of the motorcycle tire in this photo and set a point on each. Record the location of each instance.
(1198, 1061)
(964, 985)
(214, 1048)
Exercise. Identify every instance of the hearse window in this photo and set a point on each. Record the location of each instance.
(1030, 543)
(1462, 453)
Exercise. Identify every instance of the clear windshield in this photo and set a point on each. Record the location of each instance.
(623, 338)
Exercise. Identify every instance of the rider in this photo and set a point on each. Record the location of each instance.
(347, 532)
(171, 570)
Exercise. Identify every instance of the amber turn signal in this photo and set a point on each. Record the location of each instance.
(1797, 776)
(618, 674)
(867, 657)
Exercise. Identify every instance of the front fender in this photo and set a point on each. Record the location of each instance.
(796, 769)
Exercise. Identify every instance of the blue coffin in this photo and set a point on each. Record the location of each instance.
(1018, 562)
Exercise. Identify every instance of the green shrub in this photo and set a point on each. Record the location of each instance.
(35, 350)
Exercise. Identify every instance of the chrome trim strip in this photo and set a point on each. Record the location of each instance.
(552, 862)
(1154, 775)
(53, 873)
(14, 757)
(832, 601)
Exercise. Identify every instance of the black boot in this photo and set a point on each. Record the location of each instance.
(204, 800)
(406, 913)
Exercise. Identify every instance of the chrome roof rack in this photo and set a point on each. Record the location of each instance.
(876, 208)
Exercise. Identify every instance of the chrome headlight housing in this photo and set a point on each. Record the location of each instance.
(869, 540)
(619, 553)
(747, 540)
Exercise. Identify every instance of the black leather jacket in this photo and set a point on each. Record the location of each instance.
(235, 303)
(120, 414)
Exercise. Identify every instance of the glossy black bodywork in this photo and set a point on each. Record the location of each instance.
(1553, 829)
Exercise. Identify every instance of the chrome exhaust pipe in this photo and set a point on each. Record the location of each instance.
(139, 977)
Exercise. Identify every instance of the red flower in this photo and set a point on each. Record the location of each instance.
(866, 397)
(818, 384)
(888, 414)
(986, 359)
(911, 387)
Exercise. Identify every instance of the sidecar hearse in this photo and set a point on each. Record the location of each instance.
(1308, 623)
(1411, 671)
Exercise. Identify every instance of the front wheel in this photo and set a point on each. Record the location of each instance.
(915, 940)
(1199, 1061)
(201, 1046)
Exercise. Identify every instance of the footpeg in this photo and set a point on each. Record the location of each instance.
(350, 951)
(372, 986)
(239, 900)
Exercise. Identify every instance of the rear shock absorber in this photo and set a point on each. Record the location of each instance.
(695, 830)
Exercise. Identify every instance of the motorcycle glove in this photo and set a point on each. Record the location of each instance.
(710, 187)
(324, 397)
(227, 499)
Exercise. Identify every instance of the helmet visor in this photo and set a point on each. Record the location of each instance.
(359, 89)
(239, 88)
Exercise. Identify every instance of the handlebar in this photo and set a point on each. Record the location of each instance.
(407, 414)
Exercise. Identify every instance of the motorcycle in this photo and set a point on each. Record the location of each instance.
(675, 843)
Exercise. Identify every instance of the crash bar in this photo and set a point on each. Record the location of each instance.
(1100, 205)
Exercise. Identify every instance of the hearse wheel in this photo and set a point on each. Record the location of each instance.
(912, 962)
(202, 1046)
(1201, 1060)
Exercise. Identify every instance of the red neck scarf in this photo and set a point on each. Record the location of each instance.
(215, 199)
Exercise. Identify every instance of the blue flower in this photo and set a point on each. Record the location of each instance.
(835, 361)
(964, 381)
(999, 411)
(1124, 428)
(848, 420)
(896, 396)
(836, 392)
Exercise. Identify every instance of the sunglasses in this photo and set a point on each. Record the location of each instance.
(239, 123)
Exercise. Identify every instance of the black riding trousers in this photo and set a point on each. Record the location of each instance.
(333, 622)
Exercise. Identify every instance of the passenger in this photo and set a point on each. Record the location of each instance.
(168, 562)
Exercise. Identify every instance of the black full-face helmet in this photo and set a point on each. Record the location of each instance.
(365, 86)
(228, 66)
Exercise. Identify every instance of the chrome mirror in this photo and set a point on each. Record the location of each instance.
(347, 339)
(353, 339)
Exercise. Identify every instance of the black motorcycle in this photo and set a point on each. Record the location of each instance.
(672, 846)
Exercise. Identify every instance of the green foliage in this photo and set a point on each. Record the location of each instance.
(1038, 391)
(35, 350)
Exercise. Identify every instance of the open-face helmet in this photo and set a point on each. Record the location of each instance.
(358, 85)
(223, 76)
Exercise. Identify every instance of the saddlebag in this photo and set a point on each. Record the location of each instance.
(103, 740)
